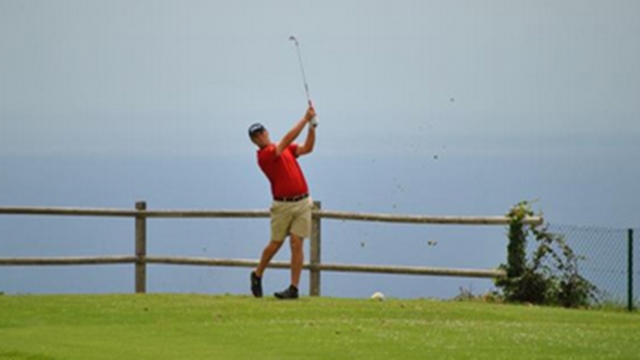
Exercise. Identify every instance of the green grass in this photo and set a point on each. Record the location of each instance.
(232, 327)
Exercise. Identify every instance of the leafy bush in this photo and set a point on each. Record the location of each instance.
(551, 276)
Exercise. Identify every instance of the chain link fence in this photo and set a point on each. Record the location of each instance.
(607, 255)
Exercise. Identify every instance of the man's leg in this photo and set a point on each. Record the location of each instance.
(256, 276)
(300, 228)
(267, 254)
(297, 258)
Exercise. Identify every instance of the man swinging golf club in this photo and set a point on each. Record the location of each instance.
(292, 206)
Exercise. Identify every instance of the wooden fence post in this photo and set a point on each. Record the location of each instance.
(315, 253)
(141, 249)
(630, 271)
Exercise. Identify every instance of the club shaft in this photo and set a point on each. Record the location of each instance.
(304, 77)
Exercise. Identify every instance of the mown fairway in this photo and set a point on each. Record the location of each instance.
(231, 327)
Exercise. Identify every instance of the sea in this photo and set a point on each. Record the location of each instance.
(565, 190)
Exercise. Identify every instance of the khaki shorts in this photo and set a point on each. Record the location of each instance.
(291, 218)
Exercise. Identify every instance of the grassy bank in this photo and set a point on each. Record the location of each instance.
(232, 327)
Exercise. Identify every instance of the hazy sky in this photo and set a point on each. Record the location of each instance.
(187, 77)
(515, 99)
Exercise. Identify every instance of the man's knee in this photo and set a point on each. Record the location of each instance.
(273, 246)
(296, 242)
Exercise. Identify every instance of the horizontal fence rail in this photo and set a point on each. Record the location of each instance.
(423, 219)
(84, 260)
(325, 214)
(62, 211)
(172, 260)
(140, 214)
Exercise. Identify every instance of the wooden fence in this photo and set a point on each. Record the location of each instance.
(315, 266)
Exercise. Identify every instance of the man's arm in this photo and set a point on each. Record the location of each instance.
(293, 134)
(309, 143)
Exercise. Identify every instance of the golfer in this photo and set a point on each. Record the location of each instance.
(291, 207)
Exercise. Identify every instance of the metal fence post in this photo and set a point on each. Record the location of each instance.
(630, 272)
(141, 249)
(315, 253)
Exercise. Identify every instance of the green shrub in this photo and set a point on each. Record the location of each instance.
(550, 276)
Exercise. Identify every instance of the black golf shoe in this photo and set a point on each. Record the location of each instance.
(289, 294)
(256, 285)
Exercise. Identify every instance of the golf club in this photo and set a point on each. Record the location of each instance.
(314, 121)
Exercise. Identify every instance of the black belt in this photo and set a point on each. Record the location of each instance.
(291, 199)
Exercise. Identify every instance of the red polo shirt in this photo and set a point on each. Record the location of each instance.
(284, 172)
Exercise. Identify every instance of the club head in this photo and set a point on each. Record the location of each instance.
(293, 38)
